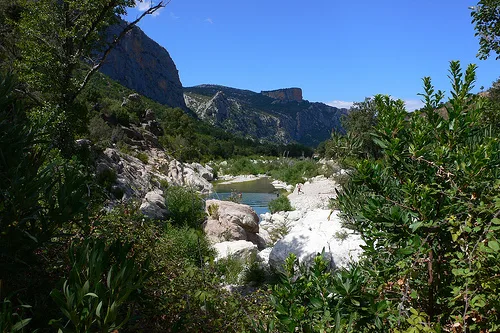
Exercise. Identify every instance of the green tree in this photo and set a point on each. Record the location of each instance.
(428, 210)
(486, 17)
(360, 122)
(58, 44)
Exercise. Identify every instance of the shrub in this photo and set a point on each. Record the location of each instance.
(213, 211)
(428, 209)
(100, 282)
(294, 171)
(316, 299)
(99, 132)
(280, 204)
(11, 319)
(185, 206)
(143, 157)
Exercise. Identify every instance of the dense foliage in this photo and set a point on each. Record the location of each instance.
(486, 17)
(424, 195)
(428, 210)
(357, 141)
(280, 204)
(289, 170)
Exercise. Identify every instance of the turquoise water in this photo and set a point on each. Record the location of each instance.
(256, 193)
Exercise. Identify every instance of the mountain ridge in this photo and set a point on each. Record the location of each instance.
(279, 117)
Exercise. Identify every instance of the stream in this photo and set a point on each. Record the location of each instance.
(256, 193)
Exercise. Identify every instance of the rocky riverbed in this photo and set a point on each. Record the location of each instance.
(306, 231)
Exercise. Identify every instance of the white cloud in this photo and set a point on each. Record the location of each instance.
(209, 20)
(413, 104)
(145, 5)
(175, 17)
(340, 104)
(142, 6)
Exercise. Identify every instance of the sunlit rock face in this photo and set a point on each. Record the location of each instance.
(279, 116)
(285, 95)
(141, 64)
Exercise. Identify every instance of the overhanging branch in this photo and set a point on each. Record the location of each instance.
(113, 44)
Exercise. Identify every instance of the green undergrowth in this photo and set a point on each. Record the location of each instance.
(289, 170)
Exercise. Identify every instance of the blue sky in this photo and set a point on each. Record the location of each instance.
(336, 51)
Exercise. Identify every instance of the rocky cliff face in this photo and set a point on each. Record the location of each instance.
(285, 95)
(282, 119)
(141, 64)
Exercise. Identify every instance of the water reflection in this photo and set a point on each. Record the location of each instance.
(256, 193)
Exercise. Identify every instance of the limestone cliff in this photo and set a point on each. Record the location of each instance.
(285, 95)
(284, 118)
(141, 64)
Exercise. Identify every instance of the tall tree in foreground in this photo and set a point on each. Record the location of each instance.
(60, 46)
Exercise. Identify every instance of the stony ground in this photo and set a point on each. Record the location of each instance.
(316, 193)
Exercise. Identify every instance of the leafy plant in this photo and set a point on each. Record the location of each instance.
(11, 321)
(280, 204)
(428, 210)
(213, 211)
(185, 206)
(316, 299)
(100, 282)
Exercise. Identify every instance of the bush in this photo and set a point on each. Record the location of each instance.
(99, 132)
(100, 282)
(428, 210)
(143, 157)
(280, 204)
(295, 171)
(185, 206)
(316, 299)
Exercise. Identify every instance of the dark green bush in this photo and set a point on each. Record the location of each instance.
(280, 204)
(185, 206)
(428, 210)
(101, 281)
(99, 132)
(316, 299)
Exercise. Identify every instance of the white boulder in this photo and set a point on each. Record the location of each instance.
(241, 249)
(153, 205)
(311, 235)
(232, 221)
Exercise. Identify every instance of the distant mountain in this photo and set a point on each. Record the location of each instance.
(279, 116)
(141, 64)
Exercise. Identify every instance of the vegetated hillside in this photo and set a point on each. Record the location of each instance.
(283, 119)
(115, 108)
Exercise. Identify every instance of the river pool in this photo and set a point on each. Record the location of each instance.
(256, 193)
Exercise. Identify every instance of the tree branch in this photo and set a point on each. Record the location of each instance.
(129, 27)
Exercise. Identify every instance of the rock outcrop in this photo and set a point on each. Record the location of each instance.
(141, 64)
(285, 95)
(134, 178)
(281, 119)
(230, 221)
(153, 205)
(241, 249)
(314, 234)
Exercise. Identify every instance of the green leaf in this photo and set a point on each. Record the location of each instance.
(98, 310)
(494, 245)
(20, 324)
(316, 302)
(416, 225)
(355, 302)
(91, 295)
